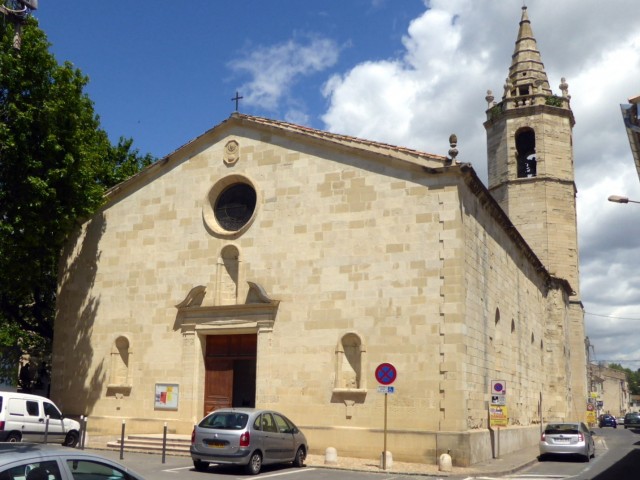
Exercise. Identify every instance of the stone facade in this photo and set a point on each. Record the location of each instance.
(609, 386)
(351, 253)
(352, 258)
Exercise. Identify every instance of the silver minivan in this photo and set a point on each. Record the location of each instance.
(23, 417)
(248, 437)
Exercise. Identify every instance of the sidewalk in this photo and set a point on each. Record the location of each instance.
(504, 465)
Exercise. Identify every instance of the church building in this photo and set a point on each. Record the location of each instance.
(273, 265)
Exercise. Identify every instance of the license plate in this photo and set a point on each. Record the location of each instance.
(215, 443)
(562, 440)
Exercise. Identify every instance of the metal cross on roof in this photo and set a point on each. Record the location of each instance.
(237, 98)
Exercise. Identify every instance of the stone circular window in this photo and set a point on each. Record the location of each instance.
(230, 206)
(235, 206)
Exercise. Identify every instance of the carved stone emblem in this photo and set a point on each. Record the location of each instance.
(231, 152)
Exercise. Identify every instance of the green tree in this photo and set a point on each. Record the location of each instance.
(55, 165)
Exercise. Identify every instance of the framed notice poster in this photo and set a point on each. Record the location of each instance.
(166, 397)
(498, 416)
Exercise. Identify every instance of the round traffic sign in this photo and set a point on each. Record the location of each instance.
(498, 387)
(386, 373)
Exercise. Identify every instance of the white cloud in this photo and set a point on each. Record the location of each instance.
(298, 117)
(451, 55)
(458, 49)
(367, 89)
(412, 101)
(275, 69)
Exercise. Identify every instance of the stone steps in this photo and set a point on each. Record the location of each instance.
(152, 443)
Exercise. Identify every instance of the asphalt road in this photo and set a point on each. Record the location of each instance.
(151, 467)
(617, 458)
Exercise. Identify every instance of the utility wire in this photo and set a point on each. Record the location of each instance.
(611, 316)
(617, 361)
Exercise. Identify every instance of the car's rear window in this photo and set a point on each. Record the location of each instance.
(225, 421)
(561, 428)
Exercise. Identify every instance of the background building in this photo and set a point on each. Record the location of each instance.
(610, 390)
(631, 119)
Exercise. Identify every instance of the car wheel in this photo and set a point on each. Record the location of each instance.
(200, 466)
(298, 461)
(14, 437)
(255, 463)
(71, 440)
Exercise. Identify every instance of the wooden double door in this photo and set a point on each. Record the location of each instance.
(230, 371)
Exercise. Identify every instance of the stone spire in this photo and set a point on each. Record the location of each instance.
(531, 175)
(526, 73)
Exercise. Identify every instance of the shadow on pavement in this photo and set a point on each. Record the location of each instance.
(627, 468)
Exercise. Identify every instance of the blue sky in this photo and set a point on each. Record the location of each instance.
(163, 74)
(405, 72)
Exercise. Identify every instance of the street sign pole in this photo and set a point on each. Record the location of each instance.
(498, 410)
(384, 451)
(385, 374)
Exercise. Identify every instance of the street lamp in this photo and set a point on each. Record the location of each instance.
(619, 199)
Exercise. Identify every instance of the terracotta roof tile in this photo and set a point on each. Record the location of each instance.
(338, 137)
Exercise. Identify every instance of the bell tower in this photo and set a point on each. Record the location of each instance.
(531, 176)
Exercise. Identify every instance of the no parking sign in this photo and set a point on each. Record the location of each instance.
(498, 387)
(386, 374)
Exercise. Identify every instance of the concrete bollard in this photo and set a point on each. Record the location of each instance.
(444, 463)
(330, 456)
(386, 461)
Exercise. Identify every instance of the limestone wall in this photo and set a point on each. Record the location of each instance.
(405, 263)
(346, 247)
(516, 327)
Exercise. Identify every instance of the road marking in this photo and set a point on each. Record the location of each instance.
(178, 469)
(277, 474)
(521, 477)
(171, 470)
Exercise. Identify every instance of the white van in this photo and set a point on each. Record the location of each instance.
(23, 417)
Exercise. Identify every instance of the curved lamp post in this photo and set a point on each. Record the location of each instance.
(619, 199)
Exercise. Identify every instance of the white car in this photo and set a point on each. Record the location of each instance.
(29, 418)
(567, 439)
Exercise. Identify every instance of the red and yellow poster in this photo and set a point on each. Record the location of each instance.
(166, 397)
(498, 416)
